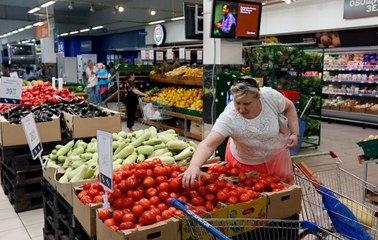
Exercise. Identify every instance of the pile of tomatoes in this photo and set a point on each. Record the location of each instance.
(142, 192)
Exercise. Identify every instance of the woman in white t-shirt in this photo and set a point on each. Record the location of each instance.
(92, 89)
(251, 122)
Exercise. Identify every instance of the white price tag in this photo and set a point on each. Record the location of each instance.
(10, 90)
(187, 55)
(169, 55)
(151, 53)
(14, 75)
(143, 54)
(32, 136)
(182, 53)
(199, 55)
(159, 56)
(105, 157)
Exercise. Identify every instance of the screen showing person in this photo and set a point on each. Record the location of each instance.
(248, 13)
(225, 19)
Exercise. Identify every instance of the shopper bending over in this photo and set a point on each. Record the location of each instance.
(131, 100)
(251, 122)
(102, 82)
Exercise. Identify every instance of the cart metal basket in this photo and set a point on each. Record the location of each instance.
(152, 112)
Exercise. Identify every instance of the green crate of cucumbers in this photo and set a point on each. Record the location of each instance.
(370, 146)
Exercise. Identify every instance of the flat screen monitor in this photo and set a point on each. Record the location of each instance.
(235, 19)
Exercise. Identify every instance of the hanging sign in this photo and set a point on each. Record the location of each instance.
(360, 8)
(152, 56)
(159, 57)
(10, 90)
(182, 54)
(188, 55)
(169, 55)
(143, 54)
(199, 56)
(32, 136)
(105, 157)
(43, 31)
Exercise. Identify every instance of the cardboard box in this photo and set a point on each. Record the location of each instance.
(285, 203)
(256, 208)
(190, 230)
(167, 229)
(66, 189)
(196, 128)
(49, 175)
(85, 213)
(13, 134)
(87, 127)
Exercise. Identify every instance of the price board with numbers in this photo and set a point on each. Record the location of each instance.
(105, 157)
(10, 90)
(32, 136)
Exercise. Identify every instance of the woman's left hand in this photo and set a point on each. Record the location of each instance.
(292, 141)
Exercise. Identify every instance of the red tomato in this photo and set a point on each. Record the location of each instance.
(159, 171)
(87, 186)
(209, 206)
(183, 198)
(147, 218)
(245, 197)
(86, 199)
(156, 211)
(122, 186)
(201, 190)
(221, 184)
(154, 200)
(242, 177)
(179, 213)
(232, 200)
(209, 197)
(109, 222)
(117, 177)
(104, 214)
(132, 182)
(222, 196)
(163, 196)
(140, 173)
(137, 210)
(163, 187)
(234, 171)
(126, 225)
(98, 199)
(197, 201)
(82, 193)
(151, 192)
(259, 187)
(173, 195)
(145, 203)
(234, 193)
(114, 227)
(129, 217)
(93, 192)
(248, 182)
(116, 193)
(159, 218)
(118, 203)
(137, 195)
(118, 215)
(127, 202)
(162, 207)
(148, 182)
(166, 214)
(161, 179)
(175, 174)
(212, 188)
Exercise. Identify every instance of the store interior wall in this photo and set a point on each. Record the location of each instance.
(309, 16)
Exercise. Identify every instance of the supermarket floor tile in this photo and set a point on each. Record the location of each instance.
(336, 137)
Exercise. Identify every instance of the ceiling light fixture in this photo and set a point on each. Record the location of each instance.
(28, 26)
(156, 22)
(36, 9)
(121, 9)
(70, 6)
(152, 12)
(37, 24)
(92, 9)
(177, 18)
(21, 29)
(85, 30)
(15, 31)
(98, 27)
(48, 4)
(74, 32)
(287, 1)
(63, 34)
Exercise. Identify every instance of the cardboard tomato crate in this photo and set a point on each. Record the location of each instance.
(85, 213)
(13, 134)
(49, 175)
(167, 229)
(285, 203)
(87, 127)
(256, 208)
(188, 228)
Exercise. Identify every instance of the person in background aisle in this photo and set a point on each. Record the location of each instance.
(251, 122)
(131, 100)
(90, 74)
(29, 74)
(111, 68)
(5, 69)
(102, 82)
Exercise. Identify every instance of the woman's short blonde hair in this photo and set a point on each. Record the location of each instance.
(100, 65)
(244, 86)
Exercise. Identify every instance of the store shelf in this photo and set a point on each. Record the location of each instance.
(350, 69)
(352, 94)
(350, 116)
(180, 80)
(350, 81)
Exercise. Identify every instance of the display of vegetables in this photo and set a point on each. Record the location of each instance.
(137, 147)
(142, 192)
(41, 113)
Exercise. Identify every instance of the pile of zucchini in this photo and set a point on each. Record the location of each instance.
(80, 159)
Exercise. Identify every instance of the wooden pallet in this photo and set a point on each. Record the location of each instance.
(23, 177)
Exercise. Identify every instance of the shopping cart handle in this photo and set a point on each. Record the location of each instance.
(333, 155)
(175, 202)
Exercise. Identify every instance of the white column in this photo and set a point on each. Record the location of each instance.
(47, 44)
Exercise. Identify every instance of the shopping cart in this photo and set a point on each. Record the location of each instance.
(256, 229)
(335, 199)
(152, 112)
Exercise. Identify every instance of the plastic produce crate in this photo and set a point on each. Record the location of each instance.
(370, 148)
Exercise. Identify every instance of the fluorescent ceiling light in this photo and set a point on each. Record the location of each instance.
(33, 40)
(48, 4)
(28, 26)
(21, 29)
(177, 18)
(38, 24)
(152, 12)
(84, 30)
(8, 34)
(34, 10)
(74, 32)
(15, 31)
(63, 34)
(120, 9)
(156, 22)
(98, 27)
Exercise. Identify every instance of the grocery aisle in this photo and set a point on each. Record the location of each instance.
(337, 137)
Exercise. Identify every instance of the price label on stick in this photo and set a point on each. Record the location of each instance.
(187, 55)
(10, 90)
(199, 56)
(32, 136)
(105, 157)
(152, 56)
(182, 54)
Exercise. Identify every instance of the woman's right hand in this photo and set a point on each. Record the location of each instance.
(190, 175)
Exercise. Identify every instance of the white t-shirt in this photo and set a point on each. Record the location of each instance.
(92, 80)
(253, 140)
